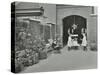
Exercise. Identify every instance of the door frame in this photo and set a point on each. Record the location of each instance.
(63, 24)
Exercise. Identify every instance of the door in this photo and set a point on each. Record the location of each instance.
(68, 22)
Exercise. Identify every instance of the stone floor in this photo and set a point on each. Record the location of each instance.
(67, 60)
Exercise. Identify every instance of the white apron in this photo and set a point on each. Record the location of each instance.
(69, 41)
(84, 41)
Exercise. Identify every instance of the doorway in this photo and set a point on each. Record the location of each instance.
(69, 21)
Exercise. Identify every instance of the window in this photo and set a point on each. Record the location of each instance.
(93, 10)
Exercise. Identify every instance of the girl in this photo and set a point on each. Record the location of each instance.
(69, 42)
(84, 41)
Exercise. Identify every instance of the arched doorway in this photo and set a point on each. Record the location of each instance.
(69, 21)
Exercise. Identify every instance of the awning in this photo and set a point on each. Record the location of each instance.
(29, 12)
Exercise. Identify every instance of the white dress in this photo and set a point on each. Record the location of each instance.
(69, 41)
(84, 41)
